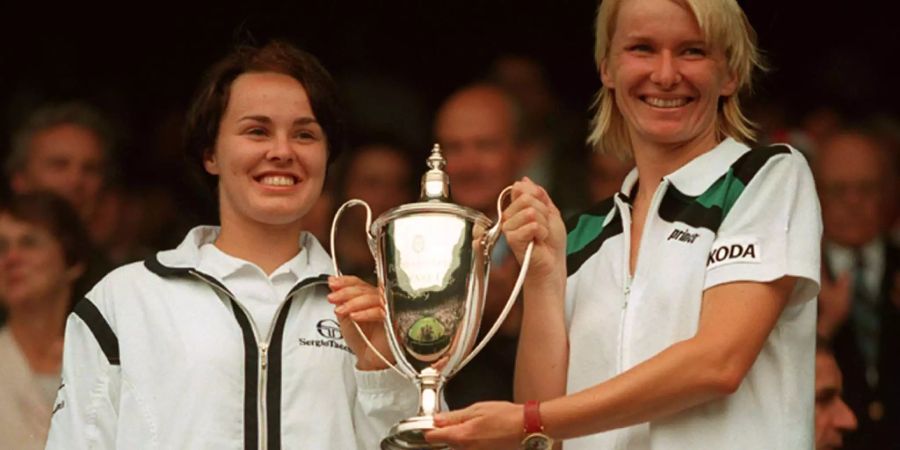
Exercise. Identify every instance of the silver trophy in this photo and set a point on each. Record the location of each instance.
(432, 258)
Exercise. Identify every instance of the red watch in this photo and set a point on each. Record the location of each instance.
(535, 439)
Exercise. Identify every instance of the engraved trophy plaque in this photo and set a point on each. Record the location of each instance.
(432, 259)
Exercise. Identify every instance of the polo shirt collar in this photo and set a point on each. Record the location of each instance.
(312, 261)
(699, 173)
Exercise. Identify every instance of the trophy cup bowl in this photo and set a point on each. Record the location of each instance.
(432, 259)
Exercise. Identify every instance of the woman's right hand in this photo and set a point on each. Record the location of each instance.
(532, 217)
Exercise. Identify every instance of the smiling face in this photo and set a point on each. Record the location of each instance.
(270, 152)
(666, 79)
(32, 265)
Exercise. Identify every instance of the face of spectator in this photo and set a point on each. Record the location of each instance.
(666, 79)
(851, 181)
(380, 176)
(833, 416)
(67, 160)
(270, 152)
(476, 131)
(32, 264)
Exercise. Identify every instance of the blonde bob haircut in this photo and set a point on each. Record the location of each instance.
(723, 24)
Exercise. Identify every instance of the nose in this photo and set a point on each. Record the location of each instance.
(666, 73)
(280, 150)
(845, 419)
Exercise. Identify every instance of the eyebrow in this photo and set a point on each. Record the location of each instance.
(828, 393)
(267, 120)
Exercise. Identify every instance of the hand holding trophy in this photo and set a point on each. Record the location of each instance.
(432, 258)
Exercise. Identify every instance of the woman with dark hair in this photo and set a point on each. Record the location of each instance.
(229, 340)
(43, 252)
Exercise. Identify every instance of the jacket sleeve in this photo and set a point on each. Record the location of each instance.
(86, 408)
(383, 399)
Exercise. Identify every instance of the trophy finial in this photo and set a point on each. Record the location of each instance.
(436, 160)
(435, 182)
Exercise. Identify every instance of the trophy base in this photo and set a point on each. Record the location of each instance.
(409, 434)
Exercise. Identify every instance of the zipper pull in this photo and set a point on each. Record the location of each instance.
(264, 356)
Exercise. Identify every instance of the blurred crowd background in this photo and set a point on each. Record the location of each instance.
(93, 102)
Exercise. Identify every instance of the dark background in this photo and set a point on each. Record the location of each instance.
(142, 62)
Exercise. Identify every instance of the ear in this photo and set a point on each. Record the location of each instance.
(210, 163)
(605, 75)
(731, 84)
(74, 272)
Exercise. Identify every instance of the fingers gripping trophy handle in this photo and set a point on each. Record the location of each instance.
(337, 271)
(491, 237)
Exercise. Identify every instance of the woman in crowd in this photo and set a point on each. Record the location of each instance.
(43, 252)
(229, 341)
(677, 314)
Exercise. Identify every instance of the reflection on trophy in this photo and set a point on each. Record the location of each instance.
(432, 258)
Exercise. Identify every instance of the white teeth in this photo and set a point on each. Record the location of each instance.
(666, 103)
(277, 180)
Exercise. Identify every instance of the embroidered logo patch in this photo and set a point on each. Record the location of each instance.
(743, 249)
(331, 331)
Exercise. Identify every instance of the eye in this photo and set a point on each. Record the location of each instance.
(257, 132)
(31, 241)
(640, 48)
(695, 51)
(306, 135)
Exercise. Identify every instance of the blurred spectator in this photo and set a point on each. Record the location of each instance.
(854, 177)
(43, 251)
(380, 174)
(479, 129)
(552, 137)
(833, 416)
(66, 149)
(606, 173)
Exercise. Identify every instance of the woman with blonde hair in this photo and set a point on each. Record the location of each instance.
(677, 313)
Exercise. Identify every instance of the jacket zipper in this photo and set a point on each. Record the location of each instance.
(263, 348)
(627, 277)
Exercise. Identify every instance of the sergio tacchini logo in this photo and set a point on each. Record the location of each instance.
(329, 329)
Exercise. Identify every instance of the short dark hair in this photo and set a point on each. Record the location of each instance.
(278, 56)
(54, 213)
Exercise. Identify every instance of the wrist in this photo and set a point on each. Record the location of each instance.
(533, 427)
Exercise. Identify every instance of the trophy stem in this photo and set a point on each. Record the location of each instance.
(409, 434)
(430, 387)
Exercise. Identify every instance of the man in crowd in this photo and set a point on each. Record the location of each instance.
(63, 149)
(857, 310)
(479, 129)
(833, 416)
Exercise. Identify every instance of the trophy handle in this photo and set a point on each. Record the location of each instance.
(337, 271)
(490, 238)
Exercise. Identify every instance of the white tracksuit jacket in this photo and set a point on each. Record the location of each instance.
(162, 356)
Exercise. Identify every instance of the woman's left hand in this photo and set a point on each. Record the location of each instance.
(482, 426)
(360, 302)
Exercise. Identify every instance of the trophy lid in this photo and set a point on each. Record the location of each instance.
(435, 182)
(434, 196)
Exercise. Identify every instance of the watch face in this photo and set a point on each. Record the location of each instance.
(537, 441)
